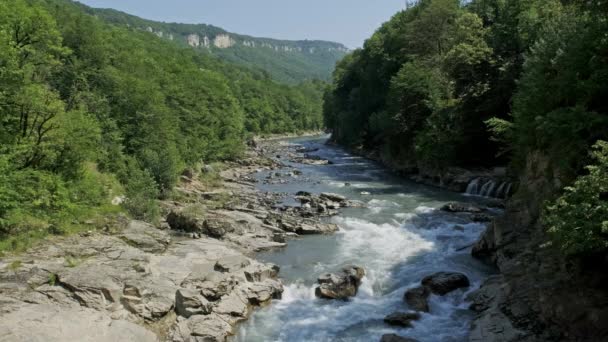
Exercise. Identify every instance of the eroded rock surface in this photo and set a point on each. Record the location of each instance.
(111, 285)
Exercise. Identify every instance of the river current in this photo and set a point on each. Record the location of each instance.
(399, 238)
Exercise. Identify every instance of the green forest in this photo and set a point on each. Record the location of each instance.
(485, 83)
(90, 111)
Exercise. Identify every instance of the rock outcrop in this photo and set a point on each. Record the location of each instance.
(113, 283)
(538, 296)
(340, 286)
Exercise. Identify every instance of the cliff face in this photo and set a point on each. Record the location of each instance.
(539, 295)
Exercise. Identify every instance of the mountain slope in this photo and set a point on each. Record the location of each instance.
(285, 60)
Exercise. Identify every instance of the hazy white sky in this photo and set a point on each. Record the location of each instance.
(346, 21)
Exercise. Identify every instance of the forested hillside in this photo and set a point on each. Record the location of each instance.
(91, 112)
(486, 83)
(284, 60)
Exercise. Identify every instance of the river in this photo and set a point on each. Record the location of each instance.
(399, 238)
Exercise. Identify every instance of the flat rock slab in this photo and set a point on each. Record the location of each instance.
(48, 323)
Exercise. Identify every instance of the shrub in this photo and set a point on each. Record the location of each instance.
(578, 220)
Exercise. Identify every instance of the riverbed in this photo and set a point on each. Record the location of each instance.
(398, 238)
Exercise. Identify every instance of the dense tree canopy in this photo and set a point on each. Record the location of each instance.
(478, 84)
(90, 111)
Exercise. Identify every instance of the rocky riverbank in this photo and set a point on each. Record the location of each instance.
(192, 277)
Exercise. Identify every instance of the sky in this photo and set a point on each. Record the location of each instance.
(349, 22)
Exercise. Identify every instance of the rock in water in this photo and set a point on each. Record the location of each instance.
(461, 208)
(442, 283)
(340, 286)
(333, 197)
(417, 298)
(396, 338)
(402, 319)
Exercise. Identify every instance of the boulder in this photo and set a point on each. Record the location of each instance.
(396, 338)
(207, 328)
(333, 197)
(317, 228)
(417, 298)
(178, 220)
(461, 208)
(190, 302)
(213, 225)
(442, 283)
(340, 286)
(402, 319)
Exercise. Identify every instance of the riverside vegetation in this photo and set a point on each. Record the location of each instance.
(480, 84)
(109, 127)
(91, 112)
(485, 83)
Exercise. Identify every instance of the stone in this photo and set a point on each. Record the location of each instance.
(417, 298)
(442, 283)
(201, 328)
(461, 208)
(315, 229)
(402, 319)
(333, 197)
(232, 305)
(396, 338)
(191, 302)
(340, 286)
(146, 237)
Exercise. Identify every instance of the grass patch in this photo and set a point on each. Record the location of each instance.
(15, 265)
(210, 175)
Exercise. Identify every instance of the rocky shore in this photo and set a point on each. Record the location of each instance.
(192, 277)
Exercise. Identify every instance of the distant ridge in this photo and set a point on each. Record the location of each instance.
(289, 61)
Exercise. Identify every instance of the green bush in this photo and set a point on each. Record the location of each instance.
(578, 220)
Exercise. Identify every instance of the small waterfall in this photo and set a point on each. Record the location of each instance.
(500, 192)
(508, 191)
(473, 187)
(489, 188)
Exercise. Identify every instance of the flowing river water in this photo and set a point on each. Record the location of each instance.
(399, 238)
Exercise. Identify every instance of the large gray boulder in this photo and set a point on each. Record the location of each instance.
(342, 285)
